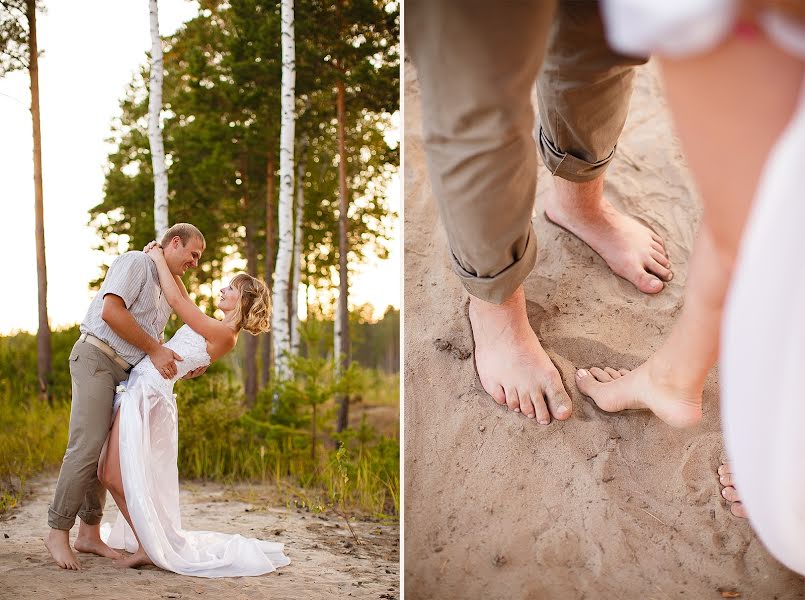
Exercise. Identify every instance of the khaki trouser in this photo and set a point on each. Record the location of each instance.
(477, 62)
(78, 491)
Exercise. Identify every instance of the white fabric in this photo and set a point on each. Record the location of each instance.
(762, 355)
(684, 27)
(148, 451)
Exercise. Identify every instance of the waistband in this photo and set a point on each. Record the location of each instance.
(106, 349)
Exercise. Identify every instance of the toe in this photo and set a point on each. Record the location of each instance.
(657, 239)
(660, 271)
(659, 248)
(730, 494)
(601, 375)
(512, 399)
(612, 372)
(498, 395)
(623, 371)
(647, 283)
(586, 382)
(559, 403)
(724, 469)
(726, 480)
(540, 409)
(660, 258)
(526, 405)
(739, 510)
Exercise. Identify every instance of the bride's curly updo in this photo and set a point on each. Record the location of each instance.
(253, 313)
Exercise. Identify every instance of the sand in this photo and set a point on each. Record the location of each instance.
(600, 506)
(326, 563)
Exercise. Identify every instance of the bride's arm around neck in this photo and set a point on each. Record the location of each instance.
(220, 337)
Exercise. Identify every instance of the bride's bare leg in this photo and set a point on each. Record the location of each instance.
(730, 106)
(111, 478)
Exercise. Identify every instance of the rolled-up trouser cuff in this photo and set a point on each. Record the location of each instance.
(500, 287)
(59, 521)
(91, 517)
(567, 166)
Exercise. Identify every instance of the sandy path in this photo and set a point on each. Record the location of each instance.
(325, 561)
(601, 506)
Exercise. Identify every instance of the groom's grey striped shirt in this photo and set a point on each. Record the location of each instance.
(134, 278)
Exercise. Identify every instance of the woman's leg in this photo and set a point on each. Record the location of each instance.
(111, 477)
(730, 106)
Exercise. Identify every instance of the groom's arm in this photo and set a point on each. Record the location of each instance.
(117, 316)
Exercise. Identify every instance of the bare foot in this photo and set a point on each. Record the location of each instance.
(132, 561)
(512, 366)
(737, 507)
(632, 250)
(647, 387)
(58, 544)
(95, 546)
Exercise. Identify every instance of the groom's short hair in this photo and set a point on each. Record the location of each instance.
(185, 231)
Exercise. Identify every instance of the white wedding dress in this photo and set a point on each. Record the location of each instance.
(762, 356)
(149, 439)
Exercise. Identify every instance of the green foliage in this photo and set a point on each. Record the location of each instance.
(14, 51)
(18, 364)
(221, 128)
(33, 437)
(219, 438)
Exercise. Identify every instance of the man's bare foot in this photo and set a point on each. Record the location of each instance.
(132, 561)
(94, 545)
(737, 507)
(57, 542)
(512, 366)
(632, 250)
(647, 387)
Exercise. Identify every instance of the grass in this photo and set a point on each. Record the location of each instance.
(221, 440)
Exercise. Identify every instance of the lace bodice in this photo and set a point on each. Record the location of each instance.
(188, 344)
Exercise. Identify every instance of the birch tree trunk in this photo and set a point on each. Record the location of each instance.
(154, 129)
(280, 324)
(270, 257)
(297, 243)
(342, 313)
(43, 347)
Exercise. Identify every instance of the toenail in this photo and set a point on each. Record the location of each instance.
(543, 422)
(562, 410)
(516, 410)
(530, 416)
(582, 373)
(655, 283)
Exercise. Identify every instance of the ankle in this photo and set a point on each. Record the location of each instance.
(668, 373)
(578, 197)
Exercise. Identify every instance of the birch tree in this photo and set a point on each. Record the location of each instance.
(280, 320)
(154, 129)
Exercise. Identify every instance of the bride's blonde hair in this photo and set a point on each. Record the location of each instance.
(253, 312)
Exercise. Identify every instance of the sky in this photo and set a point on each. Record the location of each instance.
(90, 56)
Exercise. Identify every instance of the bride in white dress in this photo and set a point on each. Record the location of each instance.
(138, 466)
(735, 88)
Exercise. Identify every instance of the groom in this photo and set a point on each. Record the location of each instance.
(477, 63)
(124, 322)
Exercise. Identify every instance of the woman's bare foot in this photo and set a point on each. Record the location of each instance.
(512, 366)
(132, 561)
(632, 250)
(737, 507)
(647, 387)
(58, 544)
(94, 545)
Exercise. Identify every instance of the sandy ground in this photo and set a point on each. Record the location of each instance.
(601, 506)
(326, 563)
